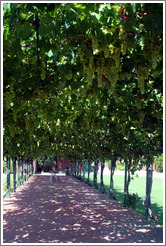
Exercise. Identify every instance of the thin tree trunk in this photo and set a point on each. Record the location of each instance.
(25, 170)
(89, 166)
(147, 201)
(102, 187)
(113, 165)
(8, 177)
(80, 177)
(72, 169)
(84, 172)
(14, 174)
(6, 170)
(128, 178)
(18, 172)
(57, 167)
(95, 175)
(22, 170)
(75, 170)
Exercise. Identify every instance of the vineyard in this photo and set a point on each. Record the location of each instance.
(84, 81)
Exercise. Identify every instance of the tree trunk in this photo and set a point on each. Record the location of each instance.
(8, 177)
(84, 172)
(25, 170)
(113, 165)
(14, 174)
(125, 182)
(89, 166)
(6, 170)
(18, 172)
(95, 175)
(147, 202)
(72, 168)
(32, 167)
(102, 187)
(22, 170)
(6, 167)
(80, 177)
(57, 167)
(77, 169)
(128, 178)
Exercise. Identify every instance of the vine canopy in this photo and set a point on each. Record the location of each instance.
(82, 79)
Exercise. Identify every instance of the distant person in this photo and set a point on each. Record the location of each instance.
(53, 175)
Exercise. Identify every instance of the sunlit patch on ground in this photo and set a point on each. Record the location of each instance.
(64, 213)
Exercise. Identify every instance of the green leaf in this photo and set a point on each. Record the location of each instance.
(50, 53)
(43, 29)
(23, 31)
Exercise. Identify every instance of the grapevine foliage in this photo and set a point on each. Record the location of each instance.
(82, 80)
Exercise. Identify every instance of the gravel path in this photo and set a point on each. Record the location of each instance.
(68, 211)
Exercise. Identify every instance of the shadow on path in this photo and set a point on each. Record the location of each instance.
(43, 211)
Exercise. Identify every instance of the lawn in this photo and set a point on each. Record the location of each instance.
(137, 185)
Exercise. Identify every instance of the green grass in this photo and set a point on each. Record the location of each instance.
(138, 185)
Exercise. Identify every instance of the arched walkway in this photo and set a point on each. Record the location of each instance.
(68, 211)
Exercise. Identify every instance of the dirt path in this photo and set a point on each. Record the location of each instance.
(43, 211)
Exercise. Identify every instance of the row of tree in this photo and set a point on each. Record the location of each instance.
(18, 171)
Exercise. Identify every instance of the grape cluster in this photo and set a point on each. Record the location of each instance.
(81, 54)
(27, 123)
(116, 57)
(15, 115)
(101, 61)
(8, 99)
(154, 46)
(106, 52)
(142, 73)
(100, 70)
(141, 117)
(95, 45)
(69, 75)
(123, 38)
(154, 57)
(11, 130)
(138, 103)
